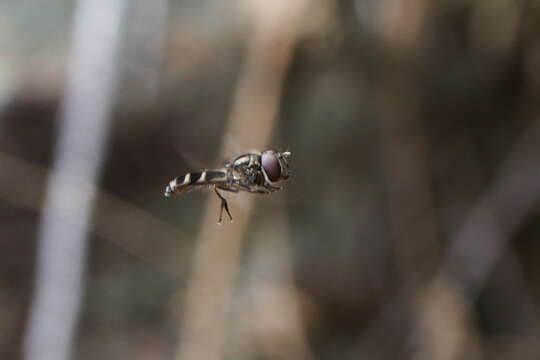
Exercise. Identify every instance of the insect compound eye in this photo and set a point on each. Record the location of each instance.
(270, 164)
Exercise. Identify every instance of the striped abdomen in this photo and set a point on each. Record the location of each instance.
(191, 181)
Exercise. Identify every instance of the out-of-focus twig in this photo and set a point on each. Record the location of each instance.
(473, 251)
(413, 215)
(85, 115)
(500, 210)
(115, 220)
(483, 237)
(277, 324)
(404, 147)
(272, 39)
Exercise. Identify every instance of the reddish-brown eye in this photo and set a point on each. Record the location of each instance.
(271, 166)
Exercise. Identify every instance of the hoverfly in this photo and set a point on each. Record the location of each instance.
(254, 172)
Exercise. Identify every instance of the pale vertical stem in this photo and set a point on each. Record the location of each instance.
(86, 109)
(208, 296)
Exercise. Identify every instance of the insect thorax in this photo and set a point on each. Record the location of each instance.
(247, 170)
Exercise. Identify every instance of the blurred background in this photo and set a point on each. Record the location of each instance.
(408, 230)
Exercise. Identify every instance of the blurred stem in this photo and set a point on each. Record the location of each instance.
(70, 194)
(113, 219)
(279, 331)
(271, 43)
(479, 244)
(489, 224)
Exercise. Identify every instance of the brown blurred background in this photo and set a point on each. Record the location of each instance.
(408, 230)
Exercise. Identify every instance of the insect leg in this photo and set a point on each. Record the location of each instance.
(259, 191)
(221, 187)
(224, 205)
(272, 188)
(254, 191)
